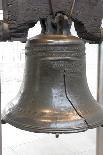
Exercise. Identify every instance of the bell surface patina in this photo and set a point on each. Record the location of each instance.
(54, 96)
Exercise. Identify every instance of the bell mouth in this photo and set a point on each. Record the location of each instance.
(55, 123)
(61, 125)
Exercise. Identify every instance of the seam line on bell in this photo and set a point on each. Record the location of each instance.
(71, 101)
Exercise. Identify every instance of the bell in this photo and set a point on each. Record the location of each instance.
(54, 97)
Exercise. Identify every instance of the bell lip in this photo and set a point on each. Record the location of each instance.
(37, 129)
(55, 39)
(30, 128)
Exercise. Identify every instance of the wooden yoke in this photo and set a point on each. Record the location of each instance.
(20, 15)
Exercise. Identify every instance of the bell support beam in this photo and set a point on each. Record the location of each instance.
(86, 15)
(99, 136)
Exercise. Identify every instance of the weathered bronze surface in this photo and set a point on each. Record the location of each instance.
(54, 97)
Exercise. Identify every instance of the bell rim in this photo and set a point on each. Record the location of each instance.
(35, 129)
(66, 130)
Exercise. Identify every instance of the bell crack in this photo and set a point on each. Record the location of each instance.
(66, 94)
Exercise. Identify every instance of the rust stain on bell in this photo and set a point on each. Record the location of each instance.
(54, 97)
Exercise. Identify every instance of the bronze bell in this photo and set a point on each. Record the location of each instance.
(54, 97)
